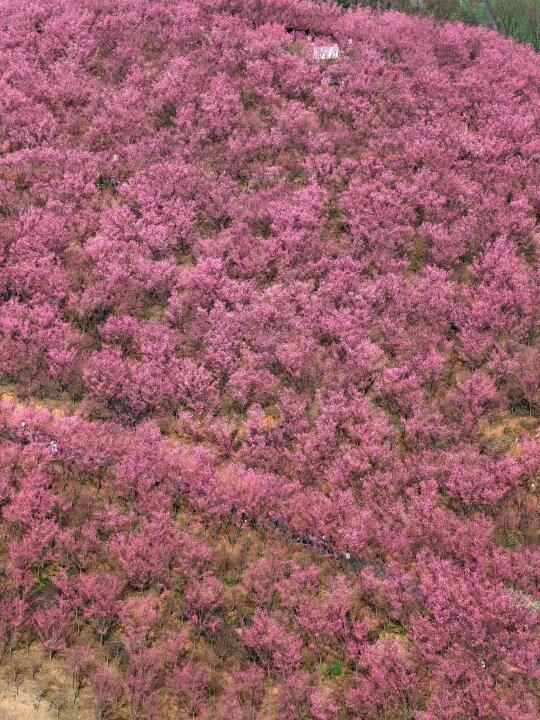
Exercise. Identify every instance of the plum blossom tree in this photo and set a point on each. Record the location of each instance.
(79, 663)
(107, 692)
(204, 598)
(389, 683)
(101, 592)
(276, 647)
(139, 617)
(189, 685)
(54, 627)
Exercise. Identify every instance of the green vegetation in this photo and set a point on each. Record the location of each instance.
(336, 669)
(519, 19)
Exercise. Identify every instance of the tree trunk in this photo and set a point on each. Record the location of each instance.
(490, 14)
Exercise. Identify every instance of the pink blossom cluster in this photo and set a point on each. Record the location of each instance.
(295, 302)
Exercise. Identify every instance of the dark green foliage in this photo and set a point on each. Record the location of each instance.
(336, 669)
(519, 19)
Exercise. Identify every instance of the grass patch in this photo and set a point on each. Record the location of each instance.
(335, 669)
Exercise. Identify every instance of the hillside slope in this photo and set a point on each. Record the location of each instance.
(270, 358)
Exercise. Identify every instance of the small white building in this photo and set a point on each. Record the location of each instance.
(326, 52)
(321, 45)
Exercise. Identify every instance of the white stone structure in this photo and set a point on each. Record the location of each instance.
(326, 52)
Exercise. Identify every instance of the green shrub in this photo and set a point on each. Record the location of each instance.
(519, 19)
(336, 669)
